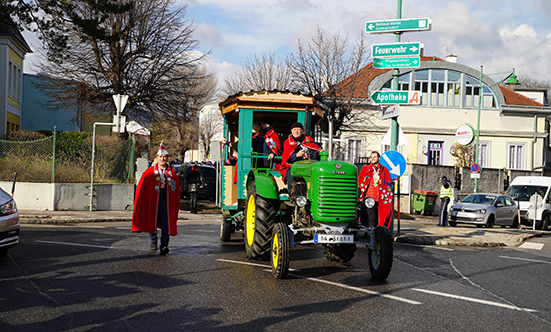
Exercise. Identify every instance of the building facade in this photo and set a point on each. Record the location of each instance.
(13, 49)
(513, 126)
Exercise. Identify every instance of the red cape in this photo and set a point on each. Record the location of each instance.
(384, 210)
(289, 147)
(144, 216)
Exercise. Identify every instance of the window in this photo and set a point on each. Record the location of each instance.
(446, 88)
(435, 153)
(15, 82)
(483, 157)
(354, 149)
(515, 156)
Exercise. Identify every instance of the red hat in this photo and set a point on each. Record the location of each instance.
(162, 149)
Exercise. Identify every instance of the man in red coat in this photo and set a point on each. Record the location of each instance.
(157, 202)
(268, 141)
(374, 180)
(297, 147)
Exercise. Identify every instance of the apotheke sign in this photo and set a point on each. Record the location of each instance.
(464, 135)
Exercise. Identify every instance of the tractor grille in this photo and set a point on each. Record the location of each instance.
(337, 199)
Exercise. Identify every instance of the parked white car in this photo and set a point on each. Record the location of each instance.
(523, 189)
(9, 223)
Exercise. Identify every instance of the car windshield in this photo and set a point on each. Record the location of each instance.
(479, 199)
(524, 192)
(208, 172)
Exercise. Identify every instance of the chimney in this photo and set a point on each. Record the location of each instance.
(451, 58)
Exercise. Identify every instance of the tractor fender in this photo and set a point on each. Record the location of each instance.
(265, 183)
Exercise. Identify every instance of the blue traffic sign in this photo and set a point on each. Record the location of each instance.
(475, 168)
(394, 162)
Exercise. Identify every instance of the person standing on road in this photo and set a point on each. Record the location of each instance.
(374, 181)
(446, 194)
(194, 182)
(157, 201)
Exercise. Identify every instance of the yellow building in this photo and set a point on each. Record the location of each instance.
(13, 48)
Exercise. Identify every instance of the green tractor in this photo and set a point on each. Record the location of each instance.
(322, 208)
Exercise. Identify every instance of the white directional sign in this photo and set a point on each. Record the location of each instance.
(390, 112)
(397, 97)
(390, 26)
(396, 49)
(408, 62)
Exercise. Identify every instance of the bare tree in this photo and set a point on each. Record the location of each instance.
(464, 155)
(179, 127)
(144, 50)
(262, 72)
(526, 81)
(328, 67)
(210, 124)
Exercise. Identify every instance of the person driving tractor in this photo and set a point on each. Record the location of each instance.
(297, 147)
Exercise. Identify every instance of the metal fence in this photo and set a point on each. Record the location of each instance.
(55, 159)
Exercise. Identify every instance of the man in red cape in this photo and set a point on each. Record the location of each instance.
(374, 180)
(268, 141)
(157, 201)
(296, 148)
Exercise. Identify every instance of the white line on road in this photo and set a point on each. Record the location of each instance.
(470, 299)
(526, 259)
(532, 245)
(424, 246)
(358, 289)
(74, 244)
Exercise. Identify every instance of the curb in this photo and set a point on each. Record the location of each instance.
(67, 220)
(446, 240)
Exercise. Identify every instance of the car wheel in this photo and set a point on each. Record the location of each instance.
(515, 223)
(479, 226)
(491, 222)
(545, 223)
(452, 223)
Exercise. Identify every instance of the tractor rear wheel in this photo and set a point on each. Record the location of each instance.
(280, 250)
(260, 216)
(380, 259)
(339, 252)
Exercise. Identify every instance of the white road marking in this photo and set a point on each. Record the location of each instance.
(470, 299)
(358, 289)
(424, 246)
(74, 244)
(526, 259)
(531, 245)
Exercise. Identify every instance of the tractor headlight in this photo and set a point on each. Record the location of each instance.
(301, 201)
(369, 202)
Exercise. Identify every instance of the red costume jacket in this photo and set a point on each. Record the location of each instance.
(272, 141)
(384, 186)
(146, 204)
(289, 147)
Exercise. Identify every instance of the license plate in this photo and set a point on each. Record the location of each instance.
(327, 238)
(462, 214)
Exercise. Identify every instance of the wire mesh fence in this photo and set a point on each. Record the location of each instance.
(63, 160)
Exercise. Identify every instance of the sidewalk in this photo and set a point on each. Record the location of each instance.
(414, 229)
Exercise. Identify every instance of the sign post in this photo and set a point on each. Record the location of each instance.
(396, 49)
(398, 25)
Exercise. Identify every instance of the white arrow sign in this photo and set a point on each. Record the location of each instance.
(394, 169)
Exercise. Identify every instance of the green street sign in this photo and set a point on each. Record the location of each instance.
(390, 26)
(396, 50)
(397, 97)
(412, 62)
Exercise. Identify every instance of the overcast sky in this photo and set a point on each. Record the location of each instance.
(497, 34)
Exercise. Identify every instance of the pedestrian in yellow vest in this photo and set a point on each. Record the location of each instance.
(446, 194)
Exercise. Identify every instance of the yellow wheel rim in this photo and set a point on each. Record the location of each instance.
(275, 251)
(250, 220)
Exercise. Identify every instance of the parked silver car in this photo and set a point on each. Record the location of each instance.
(9, 223)
(485, 210)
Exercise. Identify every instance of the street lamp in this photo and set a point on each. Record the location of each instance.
(480, 96)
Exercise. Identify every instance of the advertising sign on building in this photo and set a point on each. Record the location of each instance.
(464, 135)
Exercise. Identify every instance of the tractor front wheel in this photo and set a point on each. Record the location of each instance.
(280, 250)
(380, 259)
(260, 216)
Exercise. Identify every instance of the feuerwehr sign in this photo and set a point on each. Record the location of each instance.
(464, 135)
